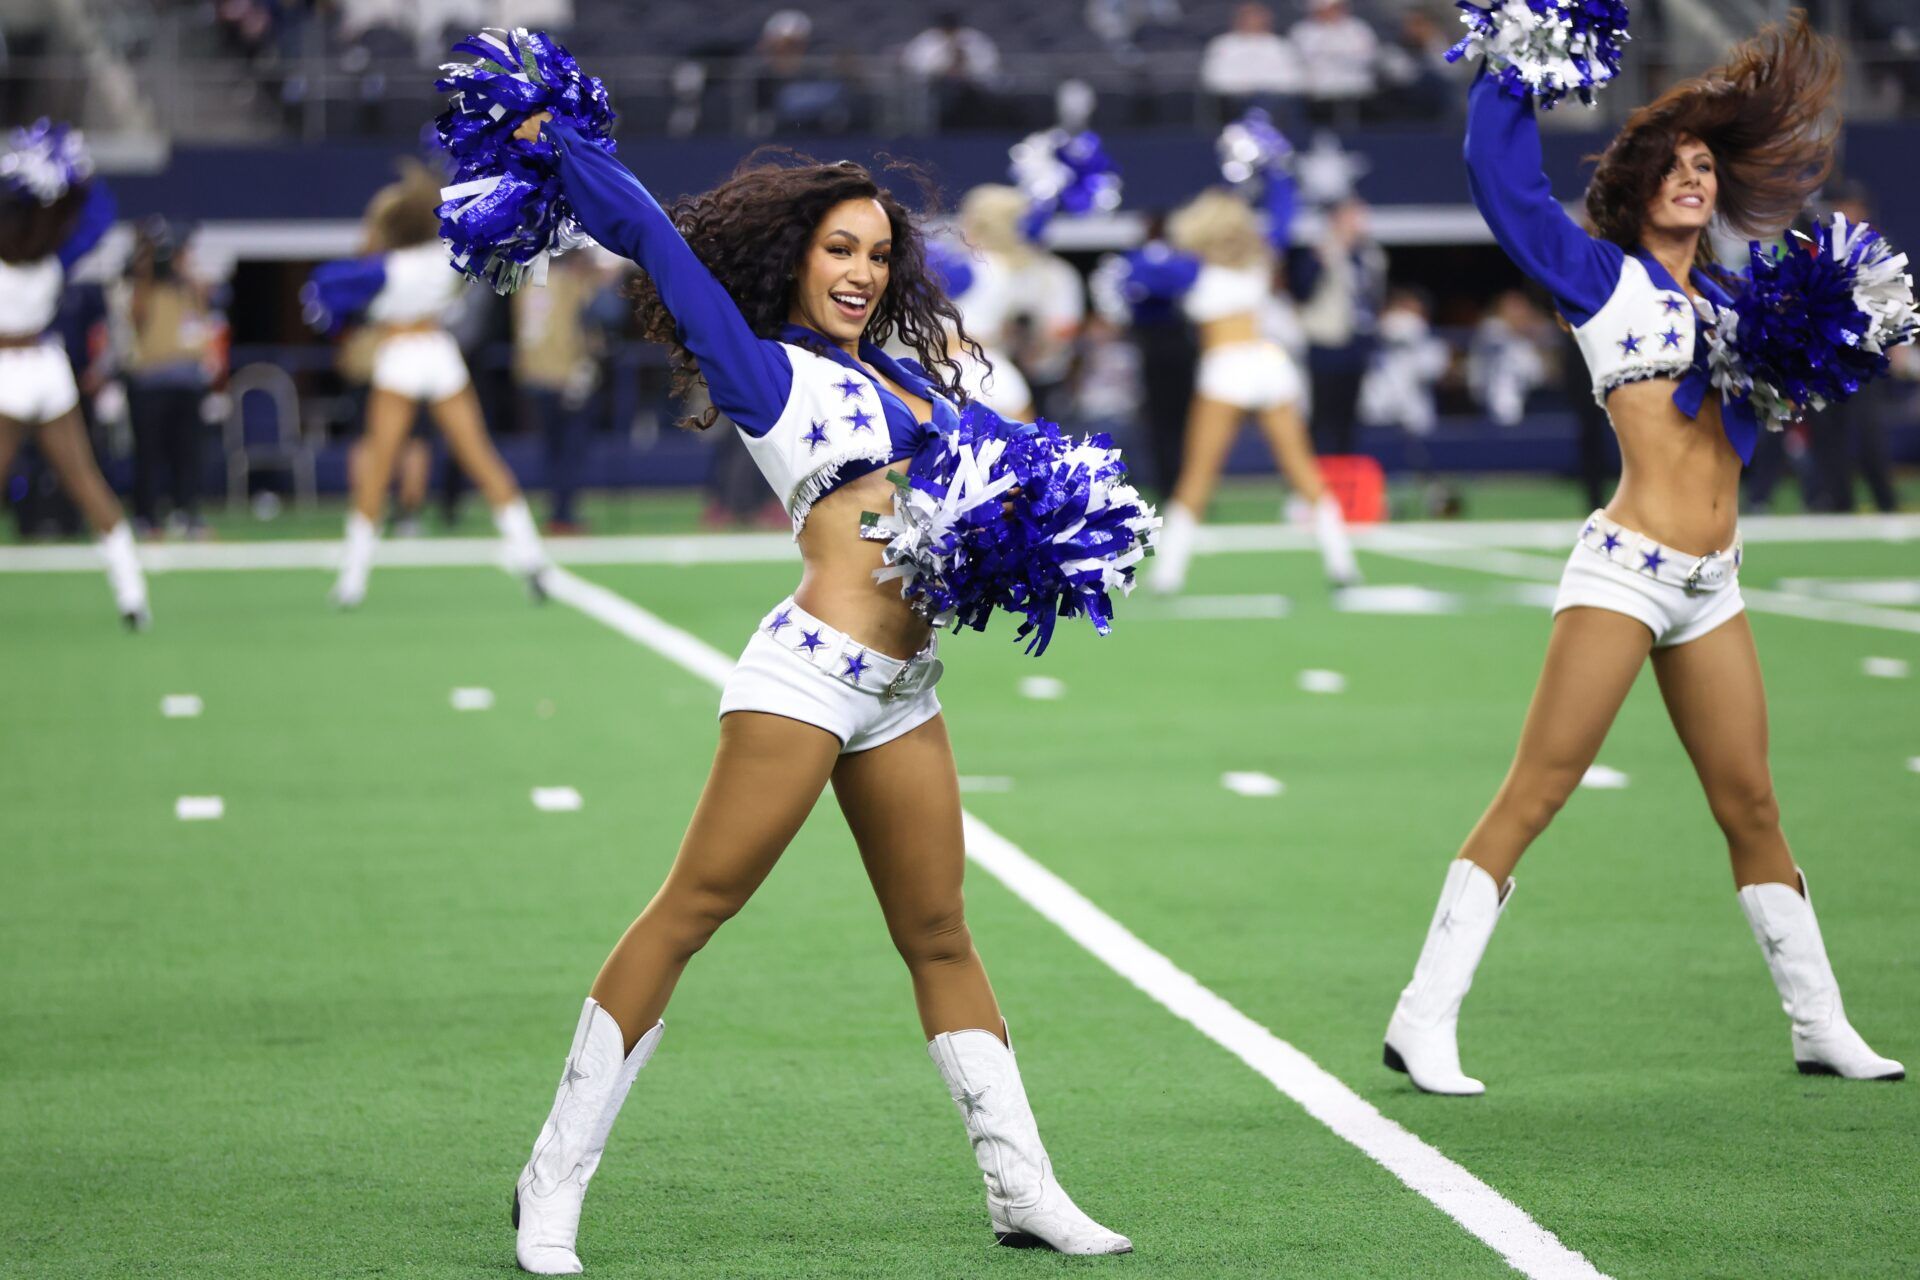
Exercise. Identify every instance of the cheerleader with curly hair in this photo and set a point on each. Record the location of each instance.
(52, 213)
(779, 289)
(1654, 576)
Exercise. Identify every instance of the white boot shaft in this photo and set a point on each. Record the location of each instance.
(356, 561)
(1172, 550)
(1336, 548)
(1026, 1206)
(521, 550)
(1824, 1042)
(552, 1186)
(1422, 1037)
(124, 574)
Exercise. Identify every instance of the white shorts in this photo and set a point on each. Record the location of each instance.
(1616, 569)
(1249, 375)
(36, 383)
(420, 366)
(798, 667)
(1004, 389)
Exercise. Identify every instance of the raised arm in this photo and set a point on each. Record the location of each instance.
(748, 377)
(339, 290)
(1505, 173)
(93, 222)
(1280, 198)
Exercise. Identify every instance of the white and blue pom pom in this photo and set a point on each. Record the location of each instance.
(44, 161)
(504, 213)
(1252, 147)
(1016, 517)
(1545, 49)
(1062, 172)
(1812, 323)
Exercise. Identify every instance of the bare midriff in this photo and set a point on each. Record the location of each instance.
(22, 339)
(836, 582)
(1229, 331)
(1679, 476)
(395, 328)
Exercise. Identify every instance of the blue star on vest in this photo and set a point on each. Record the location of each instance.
(1652, 560)
(779, 620)
(1671, 338)
(849, 387)
(1611, 544)
(1629, 345)
(816, 437)
(860, 418)
(856, 667)
(810, 640)
(1673, 304)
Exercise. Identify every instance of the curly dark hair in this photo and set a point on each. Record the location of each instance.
(1768, 116)
(752, 231)
(30, 231)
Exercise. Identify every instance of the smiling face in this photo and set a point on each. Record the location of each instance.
(844, 272)
(1687, 193)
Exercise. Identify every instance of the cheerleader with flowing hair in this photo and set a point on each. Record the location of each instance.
(1654, 575)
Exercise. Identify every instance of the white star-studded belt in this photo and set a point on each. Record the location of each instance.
(840, 656)
(1635, 551)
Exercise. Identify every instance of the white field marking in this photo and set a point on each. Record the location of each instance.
(181, 706)
(199, 808)
(556, 799)
(471, 699)
(1527, 1246)
(1042, 688)
(1250, 783)
(1601, 777)
(1913, 764)
(1208, 608)
(1888, 591)
(1395, 599)
(772, 548)
(970, 782)
(1541, 595)
(1885, 668)
(1314, 680)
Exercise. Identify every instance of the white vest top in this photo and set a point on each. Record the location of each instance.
(1228, 291)
(420, 285)
(833, 416)
(29, 296)
(1643, 331)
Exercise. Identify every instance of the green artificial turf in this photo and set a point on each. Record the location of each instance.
(316, 1037)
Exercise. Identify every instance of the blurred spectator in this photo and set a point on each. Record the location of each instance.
(556, 362)
(1337, 51)
(1398, 388)
(1119, 24)
(960, 66)
(1414, 71)
(1504, 361)
(793, 94)
(1252, 65)
(1339, 282)
(1106, 382)
(170, 355)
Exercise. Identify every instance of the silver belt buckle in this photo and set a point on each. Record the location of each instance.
(916, 675)
(1709, 572)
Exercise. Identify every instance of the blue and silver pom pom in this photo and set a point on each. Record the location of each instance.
(1251, 147)
(44, 161)
(1062, 172)
(1545, 49)
(1813, 323)
(504, 212)
(1018, 517)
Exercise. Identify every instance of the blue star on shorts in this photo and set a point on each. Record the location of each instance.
(779, 620)
(1611, 544)
(856, 667)
(1652, 560)
(810, 640)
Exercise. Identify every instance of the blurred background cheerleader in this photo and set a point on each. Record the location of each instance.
(51, 214)
(404, 285)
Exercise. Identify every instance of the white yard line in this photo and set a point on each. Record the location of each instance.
(1527, 1246)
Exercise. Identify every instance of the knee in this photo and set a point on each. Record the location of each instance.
(1532, 801)
(1745, 806)
(688, 921)
(933, 938)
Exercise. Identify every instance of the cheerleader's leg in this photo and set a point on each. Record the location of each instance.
(64, 443)
(1286, 434)
(1211, 427)
(1718, 703)
(459, 419)
(389, 420)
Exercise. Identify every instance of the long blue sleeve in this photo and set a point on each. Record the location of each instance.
(747, 376)
(1511, 191)
(1281, 196)
(340, 290)
(96, 217)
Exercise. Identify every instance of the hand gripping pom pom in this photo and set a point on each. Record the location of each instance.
(1545, 49)
(1016, 517)
(1251, 147)
(44, 161)
(1813, 322)
(1062, 172)
(504, 212)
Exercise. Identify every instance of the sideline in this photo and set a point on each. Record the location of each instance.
(1527, 1246)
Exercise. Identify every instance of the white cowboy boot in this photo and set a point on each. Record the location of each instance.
(1421, 1037)
(521, 550)
(125, 577)
(547, 1198)
(356, 562)
(1172, 550)
(1824, 1042)
(1336, 548)
(1026, 1207)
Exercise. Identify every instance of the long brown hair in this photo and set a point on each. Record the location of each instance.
(30, 231)
(401, 214)
(1767, 114)
(752, 231)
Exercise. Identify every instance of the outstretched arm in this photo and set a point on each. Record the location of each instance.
(747, 376)
(96, 217)
(1511, 191)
